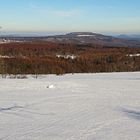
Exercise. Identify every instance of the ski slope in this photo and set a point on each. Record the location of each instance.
(71, 107)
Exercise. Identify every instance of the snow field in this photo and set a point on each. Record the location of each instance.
(71, 107)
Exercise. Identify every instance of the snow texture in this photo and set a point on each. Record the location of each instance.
(71, 107)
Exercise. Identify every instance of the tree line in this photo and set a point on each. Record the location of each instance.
(39, 57)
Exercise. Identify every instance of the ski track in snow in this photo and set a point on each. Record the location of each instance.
(71, 107)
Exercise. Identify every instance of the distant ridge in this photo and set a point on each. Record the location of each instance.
(132, 37)
(93, 38)
(82, 38)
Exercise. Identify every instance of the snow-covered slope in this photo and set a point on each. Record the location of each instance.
(71, 107)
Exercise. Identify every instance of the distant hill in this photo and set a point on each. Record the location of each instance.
(132, 37)
(84, 38)
(94, 38)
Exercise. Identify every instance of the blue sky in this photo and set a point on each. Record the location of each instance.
(114, 16)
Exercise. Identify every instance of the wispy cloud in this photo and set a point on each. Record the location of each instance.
(69, 13)
(56, 12)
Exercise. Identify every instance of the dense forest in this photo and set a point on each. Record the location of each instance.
(40, 57)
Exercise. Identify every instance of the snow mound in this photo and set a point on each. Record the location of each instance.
(50, 86)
